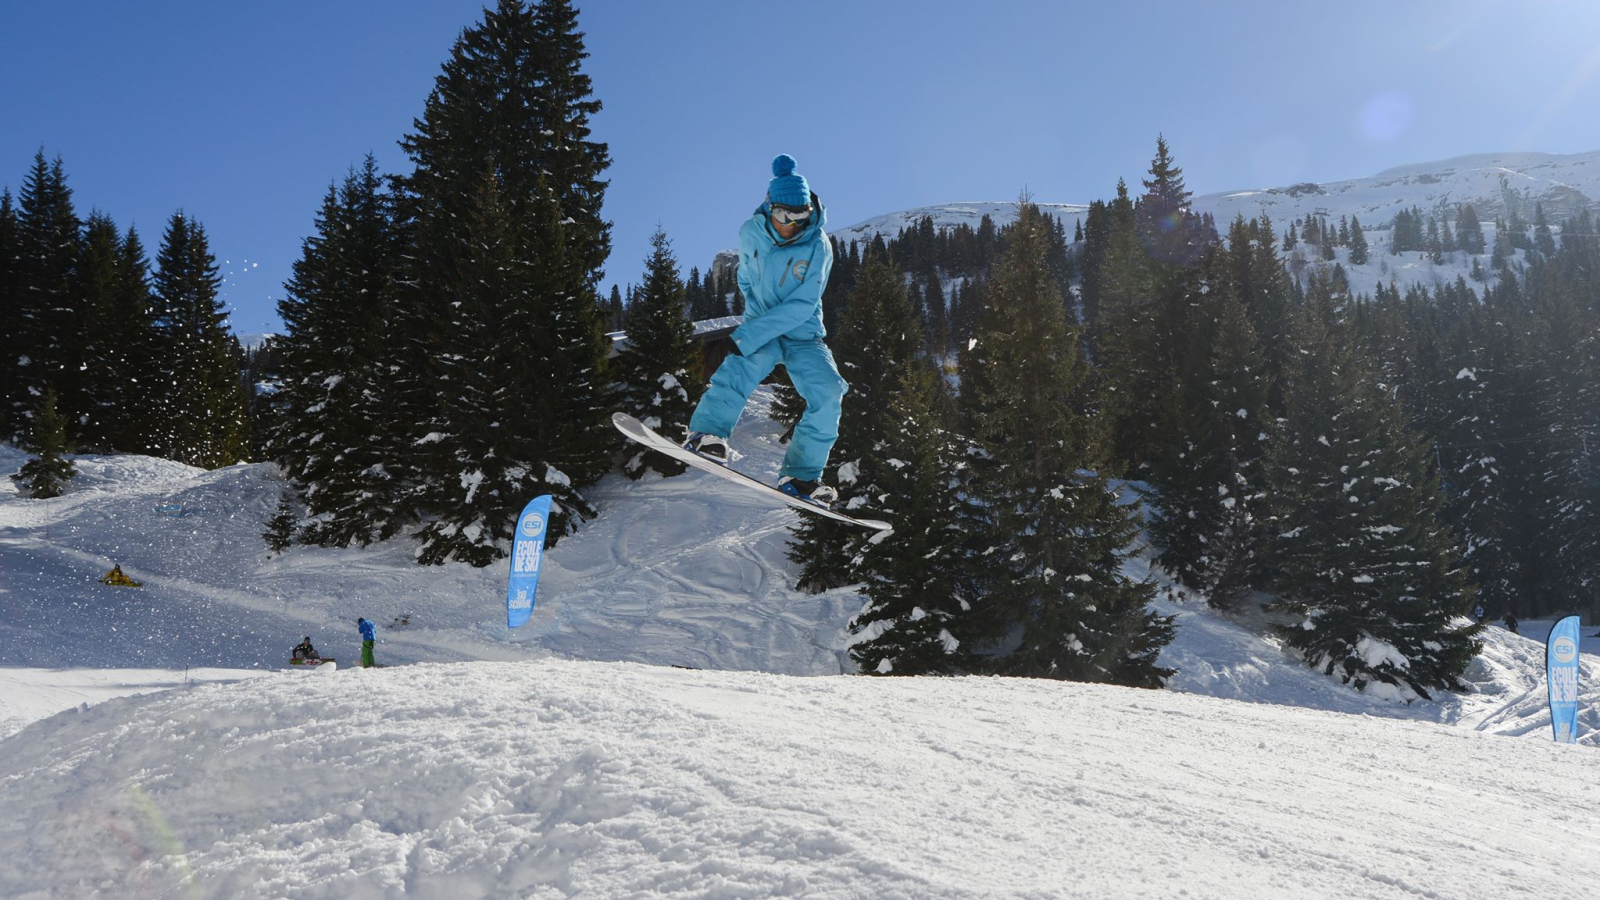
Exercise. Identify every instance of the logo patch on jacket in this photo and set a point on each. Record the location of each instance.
(797, 269)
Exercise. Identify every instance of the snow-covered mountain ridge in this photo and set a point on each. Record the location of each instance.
(1495, 183)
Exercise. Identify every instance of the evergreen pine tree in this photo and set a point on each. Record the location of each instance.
(132, 318)
(1210, 487)
(1359, 252)
(98, 283)
(878, 336)
(661, 368)
(1469, 231)
(564, 155)
(508, 116)
(1471, 444)
(483, 359)
(1129, 338)
(919, 586)
(937, 327)
(1514, 347)
(1165, 225)
(1262, 285)
(614, 310)
(280, 528)
(695, 297)
(1567, 344)
(721, 297)
(48, 316)
(1057, 604)
(1517, 230)
(1091, 263)
(198, 408)
(1504, 245)
(1543, 241)
(337, 435)
(1361, 554)
(43, 476)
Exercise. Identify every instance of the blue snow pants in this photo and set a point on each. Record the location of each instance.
(815, 376)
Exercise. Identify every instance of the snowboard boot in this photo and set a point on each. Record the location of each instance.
(709, 446)
(815, 491)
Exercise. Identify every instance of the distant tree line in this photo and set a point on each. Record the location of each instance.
(100, 352)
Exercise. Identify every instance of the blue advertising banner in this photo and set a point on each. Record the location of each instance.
(1561, 667)
(527, 556)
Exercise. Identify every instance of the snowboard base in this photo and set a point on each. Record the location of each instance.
(642, 434)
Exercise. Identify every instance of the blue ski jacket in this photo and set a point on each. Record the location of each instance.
(369, 631)
(782, 281)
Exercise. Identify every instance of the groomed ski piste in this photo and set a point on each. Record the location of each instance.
(154, 743)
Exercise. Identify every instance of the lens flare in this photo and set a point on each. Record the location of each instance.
(1386, 116)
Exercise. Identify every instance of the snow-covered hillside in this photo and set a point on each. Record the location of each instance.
(951, 215)
(1495, 183)
(570, 758)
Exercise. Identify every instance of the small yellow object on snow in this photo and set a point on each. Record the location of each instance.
(115, 578)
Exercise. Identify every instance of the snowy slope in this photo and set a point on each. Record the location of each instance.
(562, 779)
(1564, 184)
(670, 573)
(675, 571)
(550, 763)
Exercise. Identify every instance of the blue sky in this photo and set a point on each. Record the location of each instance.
(242, 114)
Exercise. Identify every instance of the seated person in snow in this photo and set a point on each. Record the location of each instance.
(304, 650)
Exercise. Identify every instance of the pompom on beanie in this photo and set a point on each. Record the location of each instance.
(788, 187)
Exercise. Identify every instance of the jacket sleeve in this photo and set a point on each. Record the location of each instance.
(801, 305)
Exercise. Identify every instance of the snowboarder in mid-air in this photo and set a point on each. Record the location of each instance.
(784, 261)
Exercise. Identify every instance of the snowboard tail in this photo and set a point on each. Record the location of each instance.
(642, 434)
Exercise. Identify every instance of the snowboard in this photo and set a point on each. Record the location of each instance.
(640, 433)
(317, 661)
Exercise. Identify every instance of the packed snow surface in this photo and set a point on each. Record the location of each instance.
(556, 779)
(153, 743)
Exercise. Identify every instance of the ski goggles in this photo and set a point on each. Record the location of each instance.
(784, 215)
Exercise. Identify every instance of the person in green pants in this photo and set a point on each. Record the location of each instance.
(369, 637)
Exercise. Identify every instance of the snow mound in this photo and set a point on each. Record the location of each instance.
(560, 779)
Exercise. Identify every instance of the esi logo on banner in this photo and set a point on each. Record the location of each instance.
(527, 557)
(1561, 667)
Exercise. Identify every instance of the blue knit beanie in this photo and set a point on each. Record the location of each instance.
(788, 188)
